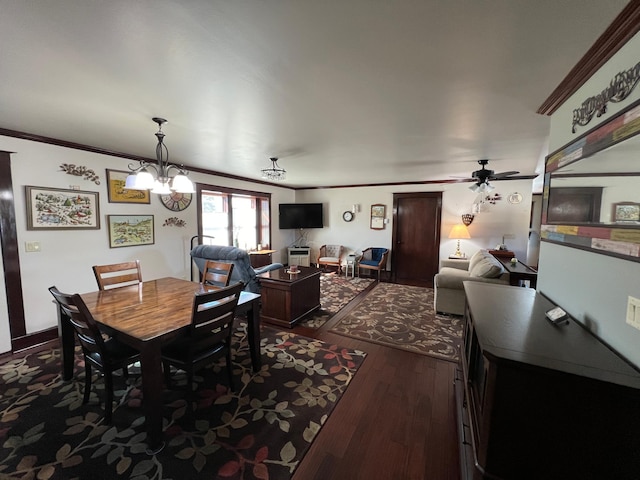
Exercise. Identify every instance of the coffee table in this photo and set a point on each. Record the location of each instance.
(288, 297)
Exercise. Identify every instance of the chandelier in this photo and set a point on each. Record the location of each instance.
(141, 178)
(274, 172)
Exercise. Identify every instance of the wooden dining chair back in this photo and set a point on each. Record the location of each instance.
(217, 273)
(209, 335)
(118, 274)
(107, 355)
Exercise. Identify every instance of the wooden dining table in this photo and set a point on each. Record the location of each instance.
(146, 316)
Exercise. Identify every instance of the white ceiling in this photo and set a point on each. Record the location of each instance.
(342, 91)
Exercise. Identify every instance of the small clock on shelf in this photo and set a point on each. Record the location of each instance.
(176, 202)
(347, 216)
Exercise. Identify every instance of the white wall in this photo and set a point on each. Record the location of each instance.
(66, 257)
(486, 231)
(592, 287)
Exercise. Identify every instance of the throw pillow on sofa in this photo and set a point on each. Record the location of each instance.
(487, 268)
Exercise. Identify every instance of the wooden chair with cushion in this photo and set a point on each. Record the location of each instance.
(118, 274)
(209, 335)
(330, 255)
(373, 258)
(106, 355)
(217, 273)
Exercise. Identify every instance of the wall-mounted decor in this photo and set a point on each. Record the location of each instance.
(591, 185)
(174, 222)
(377, 217)
(80, 171)
(467, 218)
(130, 230)
(118, 194)
(175, 201)
(626, 212)
(60, 209)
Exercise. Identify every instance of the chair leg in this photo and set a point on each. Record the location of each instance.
(108, 394)
(87, 381)
(229, 370)
(166, 367)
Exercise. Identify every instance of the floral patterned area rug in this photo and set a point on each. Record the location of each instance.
(336, 291)
(403, 317)
(261, 431)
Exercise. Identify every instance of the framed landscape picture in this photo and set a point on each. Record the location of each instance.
(130, 230)
(60, 209)
(626, 212)
(118, 194)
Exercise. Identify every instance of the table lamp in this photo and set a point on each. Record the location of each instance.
(459, 231)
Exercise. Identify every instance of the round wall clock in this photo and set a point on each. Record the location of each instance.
(515, 198)
(347, 216)
(176, 202)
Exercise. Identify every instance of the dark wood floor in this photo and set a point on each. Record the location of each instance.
(395, 421)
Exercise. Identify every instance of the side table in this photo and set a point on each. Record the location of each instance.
(350, 263)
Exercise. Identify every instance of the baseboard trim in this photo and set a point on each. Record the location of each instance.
(33, 340)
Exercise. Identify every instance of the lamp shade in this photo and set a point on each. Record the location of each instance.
(459, 231)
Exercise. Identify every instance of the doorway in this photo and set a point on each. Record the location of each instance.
(415, 256)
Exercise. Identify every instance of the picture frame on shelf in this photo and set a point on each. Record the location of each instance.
(624, 212)
(62, 209)
(116, 180)
(130, 230)
(377, 216)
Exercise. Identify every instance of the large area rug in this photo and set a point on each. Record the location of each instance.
(336, 291)
(403, 317)
(261, 431)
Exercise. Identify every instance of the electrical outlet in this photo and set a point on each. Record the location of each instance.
(633, 312)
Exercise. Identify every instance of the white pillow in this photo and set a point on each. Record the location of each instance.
(486, 268)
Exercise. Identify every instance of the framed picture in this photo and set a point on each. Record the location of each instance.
(377, 217)
(60, 209)
(626, 212)
(130, 230)
(118, 194)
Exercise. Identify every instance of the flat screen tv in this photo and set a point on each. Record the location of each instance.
(300, 215)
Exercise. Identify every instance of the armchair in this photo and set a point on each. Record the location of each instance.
(373, 258)
(242, 269)
(330, 255)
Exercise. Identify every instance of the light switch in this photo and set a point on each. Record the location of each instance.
(32, 246)
(633, 312)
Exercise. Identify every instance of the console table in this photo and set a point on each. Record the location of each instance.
(519, 274)
(536, 400)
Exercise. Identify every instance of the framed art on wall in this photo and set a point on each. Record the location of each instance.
(130, 230)
(61, 209)
(377, 217)
(626, 212)
(118, 194)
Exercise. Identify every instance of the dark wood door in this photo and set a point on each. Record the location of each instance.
(416, 238)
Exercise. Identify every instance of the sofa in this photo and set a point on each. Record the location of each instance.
(242, 269)
(449, 294)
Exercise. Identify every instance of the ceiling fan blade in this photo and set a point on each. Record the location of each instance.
(504, 174)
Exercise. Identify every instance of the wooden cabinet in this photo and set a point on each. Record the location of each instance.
(261, 258)
(541, 401)
(300, 256)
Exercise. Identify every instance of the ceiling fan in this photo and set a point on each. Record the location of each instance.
(483, 176)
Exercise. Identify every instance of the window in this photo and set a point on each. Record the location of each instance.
(234, 217)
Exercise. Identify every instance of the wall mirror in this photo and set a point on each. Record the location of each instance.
(592, 189)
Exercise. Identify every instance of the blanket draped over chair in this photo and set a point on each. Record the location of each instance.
(242, 270)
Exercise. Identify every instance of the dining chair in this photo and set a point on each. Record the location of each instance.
(330, 255)
(209, 335)
(217, 273)
(118, 274)
(106, 355)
